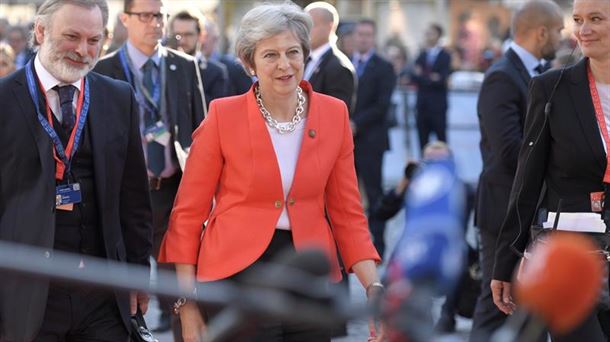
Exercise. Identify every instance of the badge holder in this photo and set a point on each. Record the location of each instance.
(157, 133)
(66, 195)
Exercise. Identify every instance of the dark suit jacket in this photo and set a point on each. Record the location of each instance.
(184, 91)
(375, 88)
(335, 76)
(27, 191)
(239, 81)
(566, 153)
(501, 108)
(215, 80)
(432, 95)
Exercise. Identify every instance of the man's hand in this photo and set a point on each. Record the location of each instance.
(137, 298)
(500, 291)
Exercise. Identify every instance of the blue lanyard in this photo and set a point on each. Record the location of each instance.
(142, 95)
(44, 122)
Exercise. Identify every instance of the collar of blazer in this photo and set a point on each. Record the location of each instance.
(97, 128)
(583, 104)
(262, 146)
(514, 59)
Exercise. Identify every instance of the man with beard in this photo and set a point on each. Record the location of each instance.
(188, 32)
(73, 179)
(170, 96)
(536, 28)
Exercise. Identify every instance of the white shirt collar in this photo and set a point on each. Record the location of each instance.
(138, 58)
(527, 58)
(365, 57)
(47, 80)
(319, 52)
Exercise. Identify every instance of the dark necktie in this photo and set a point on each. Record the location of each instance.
(154, 151)
(66, 97)
(540, 68)
(360, 67)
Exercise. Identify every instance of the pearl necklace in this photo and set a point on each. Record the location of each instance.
(289, 126)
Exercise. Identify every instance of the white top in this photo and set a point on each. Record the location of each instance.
(49, 81)
(287, 147)
(604, 96)
(315, 56)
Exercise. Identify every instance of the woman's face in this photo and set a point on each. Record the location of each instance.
(592, 27)
(6, 65)
(278, 64)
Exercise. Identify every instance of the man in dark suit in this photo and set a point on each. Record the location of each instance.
(18, 40)
(376, 80)
(186, 30)
(328, 70)
(239, 81)
(94, 203)
(169, 91)
(432, 69)
(501, 108)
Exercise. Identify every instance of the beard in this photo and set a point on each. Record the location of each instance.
(54, 61)
(549, 52)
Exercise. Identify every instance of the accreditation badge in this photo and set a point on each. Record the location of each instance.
(66, 195)
(597, 201)
(158, 133)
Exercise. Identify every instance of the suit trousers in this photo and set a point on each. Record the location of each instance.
(162, 200)
(264, 329)
(369, 169)
(487, 317)
(429, 121)
(77, 313)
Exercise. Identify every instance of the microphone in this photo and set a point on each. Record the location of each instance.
(294, 282)
(429, 256)
(557, 288)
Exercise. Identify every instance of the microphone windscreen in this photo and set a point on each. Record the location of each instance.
(561, 281)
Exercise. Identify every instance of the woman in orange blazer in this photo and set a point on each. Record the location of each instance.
(264, 169)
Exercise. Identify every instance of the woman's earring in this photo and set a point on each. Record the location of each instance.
(252, 72)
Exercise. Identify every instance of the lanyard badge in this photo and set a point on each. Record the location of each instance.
(597, 198)
(66, 194)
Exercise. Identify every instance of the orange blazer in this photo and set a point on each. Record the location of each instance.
(232, 180)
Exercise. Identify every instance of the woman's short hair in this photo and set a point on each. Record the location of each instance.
(268, 20)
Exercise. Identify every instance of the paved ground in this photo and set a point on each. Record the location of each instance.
(463, 138)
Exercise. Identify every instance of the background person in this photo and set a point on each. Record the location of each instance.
(7, 60)
(564, 148)
(170, 98)
(431, 72)
(264, 200)
(502, 105)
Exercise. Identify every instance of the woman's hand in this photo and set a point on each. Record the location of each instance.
(193, 326)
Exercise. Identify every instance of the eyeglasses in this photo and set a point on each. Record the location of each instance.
(146, 17)
(184, 35)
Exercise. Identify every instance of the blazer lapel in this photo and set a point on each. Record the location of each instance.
(309, 142)
(43, 142)
(171, 90)
(583, 105)
(323, 60)
(518, 64)
(97, 121)
(263, 153)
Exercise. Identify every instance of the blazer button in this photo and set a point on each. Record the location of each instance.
(278, 204)
(291, 201)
